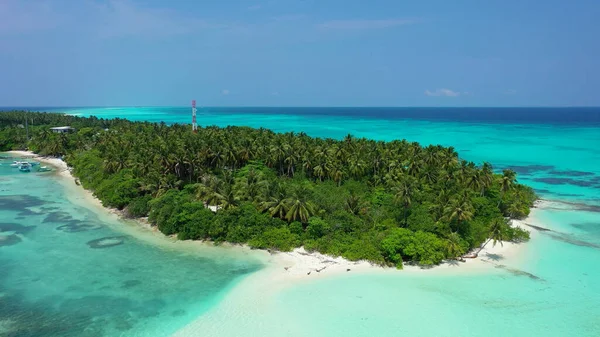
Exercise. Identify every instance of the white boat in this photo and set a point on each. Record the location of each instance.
(16, 164)
(44, 169)
(25, 167)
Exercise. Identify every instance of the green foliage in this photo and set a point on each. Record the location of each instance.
(420, 247)
(367, 247)
(386, 202)
(118, 190)
(276, 238)
(138, 207)
(516, 234)
(421, 219)
(317, 228)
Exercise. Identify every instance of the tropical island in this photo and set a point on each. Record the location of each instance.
(386, 202)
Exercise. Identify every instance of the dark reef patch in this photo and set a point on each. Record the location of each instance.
(58, 217)
(14, 227)
(529, 169)
(9, 240)
(109, 241)
(542, 190)
(571, 240)
(178, 313)
(27, 212)
(19, 202)
(571, 173)
(88, 316)
(541, 229)
(130, 284)
(578, 206)
(589, 227)
(518, 272)
(546, 191)
(76, 227)
(565, 181)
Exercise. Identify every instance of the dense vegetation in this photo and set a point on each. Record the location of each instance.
(386, 202)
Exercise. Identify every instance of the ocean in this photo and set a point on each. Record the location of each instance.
(553, 289)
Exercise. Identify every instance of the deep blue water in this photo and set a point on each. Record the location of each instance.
(526, 115)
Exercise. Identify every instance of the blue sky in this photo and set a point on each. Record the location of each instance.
(299, 52)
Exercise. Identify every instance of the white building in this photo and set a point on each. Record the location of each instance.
(62, 129)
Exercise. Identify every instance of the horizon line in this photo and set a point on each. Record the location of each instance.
(306, 107)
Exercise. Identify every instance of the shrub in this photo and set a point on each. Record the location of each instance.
(276, 238)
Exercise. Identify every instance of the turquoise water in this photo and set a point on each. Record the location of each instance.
(554, 290)
(55, 282)
(559, 157)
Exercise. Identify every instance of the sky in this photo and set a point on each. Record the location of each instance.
(299, 52)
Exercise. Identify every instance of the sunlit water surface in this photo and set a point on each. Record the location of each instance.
(554, 290)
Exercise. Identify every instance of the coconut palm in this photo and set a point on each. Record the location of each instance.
(275, 200)
(506, 183)
(403, 193)
(496, 232)
(454, 247)
(459, 210)
(300, 208)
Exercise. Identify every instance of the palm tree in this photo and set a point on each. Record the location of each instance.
(252, 185)
(453, 245)
(403, 193)
(487, 177)
(227, 197)
(208, 190)
(275, 200)
(496, 232)
(460, 209)
(300, 208)
(353, 203)
(507, 182)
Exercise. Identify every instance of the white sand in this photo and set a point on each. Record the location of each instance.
(285, 269)
(298, 264)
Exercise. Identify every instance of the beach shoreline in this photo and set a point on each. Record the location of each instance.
(297, 264)
(282, 270)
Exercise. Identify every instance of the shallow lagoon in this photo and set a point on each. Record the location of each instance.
(57, 279)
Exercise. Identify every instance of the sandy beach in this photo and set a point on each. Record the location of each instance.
(282, 270)
(298, 264)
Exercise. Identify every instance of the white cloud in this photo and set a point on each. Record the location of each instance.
(225, 92)
(364, 24)
(443, 92)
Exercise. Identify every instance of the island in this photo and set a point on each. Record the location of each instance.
(390, 203)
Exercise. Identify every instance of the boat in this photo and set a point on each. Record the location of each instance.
(16, 164)
(25, 167)
(44, 169)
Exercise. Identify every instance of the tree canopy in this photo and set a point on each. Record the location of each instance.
(387, 202)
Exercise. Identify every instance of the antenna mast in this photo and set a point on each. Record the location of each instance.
(194, 125)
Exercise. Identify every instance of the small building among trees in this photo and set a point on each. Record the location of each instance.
(62, 129)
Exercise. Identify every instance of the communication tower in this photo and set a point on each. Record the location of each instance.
(194, 125)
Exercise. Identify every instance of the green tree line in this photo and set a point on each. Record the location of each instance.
(386, 202)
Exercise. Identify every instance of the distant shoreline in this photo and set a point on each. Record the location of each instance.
(300, 264)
